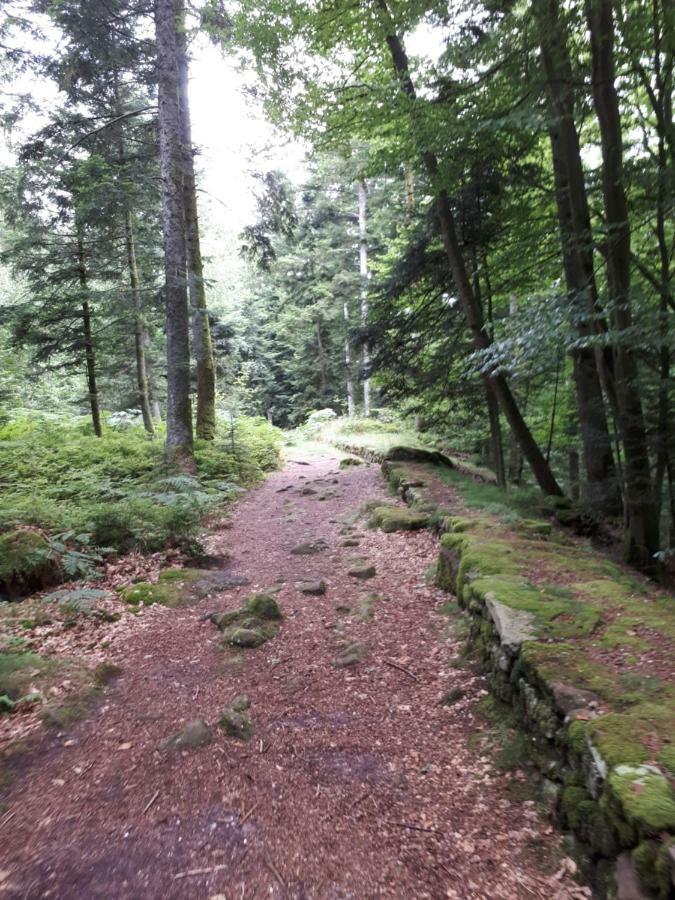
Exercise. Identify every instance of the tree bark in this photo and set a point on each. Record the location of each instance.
(202, 346)
(141, 338)
(179, 436)
(497, 383)
(88, 340)
(642, 539)
(363, 290)
(348, 363)
(602, 487)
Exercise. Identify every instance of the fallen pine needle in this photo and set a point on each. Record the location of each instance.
(395, 665)
(151, 801)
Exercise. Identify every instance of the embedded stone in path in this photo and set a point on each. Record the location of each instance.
(351, 655)
(362, 570)
(263, 606)
(236, 724)
(313, 588)
(249, 638)
(195, 734)
(350, 542)
(310, 547)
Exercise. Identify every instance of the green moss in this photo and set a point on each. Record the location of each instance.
(646, 798)
(174, 588)
(625, 738)
(27, 562)
(263, 606)
(556, 616)
(578, 807)
(568, 663)
(393, 518)
(644, 857)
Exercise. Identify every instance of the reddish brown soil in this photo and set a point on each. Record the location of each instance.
(357, 783)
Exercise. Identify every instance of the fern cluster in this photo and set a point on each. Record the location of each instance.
(117, 493)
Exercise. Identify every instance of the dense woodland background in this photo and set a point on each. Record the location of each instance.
(482, 245)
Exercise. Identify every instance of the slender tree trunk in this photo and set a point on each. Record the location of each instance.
(88, 340)
(202, 346)
(497, 383)
(603, 490)
(496, 445)
(141, 339)
(179, 435)
(321, 354)
(348, 363)
(643, 527)
(409, 190)
(363, 291)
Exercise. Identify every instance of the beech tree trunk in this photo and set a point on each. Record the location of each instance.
(602, 487)
(202, 346)
(179, 436)
(363, 290)
(473, 314)
(642, 538)
(87, 337)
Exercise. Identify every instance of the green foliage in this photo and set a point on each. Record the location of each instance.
(93, 495)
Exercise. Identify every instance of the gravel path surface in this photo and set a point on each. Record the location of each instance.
(357, 782)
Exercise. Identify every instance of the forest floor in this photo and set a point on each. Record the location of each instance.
(357, 782)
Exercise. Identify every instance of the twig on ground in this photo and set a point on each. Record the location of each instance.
(395, 665)
(411, 827)
(206, 871)
(360, 799)
(151, 801)
(249, 813)
(273, 869)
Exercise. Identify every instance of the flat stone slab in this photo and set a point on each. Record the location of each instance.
(308, 548)
(362, 571)
(514, 626)
(313, 588)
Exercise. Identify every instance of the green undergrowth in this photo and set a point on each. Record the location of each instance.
(26, 678)
(119, 492)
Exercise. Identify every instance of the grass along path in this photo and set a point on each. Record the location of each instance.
(357, 782)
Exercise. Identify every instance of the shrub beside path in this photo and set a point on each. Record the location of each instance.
(355, 780)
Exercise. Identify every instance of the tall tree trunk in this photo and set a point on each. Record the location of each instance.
(87, 337)
(496, 445)
(348, 363)
(643, 525)
(179, 437)
(602, 489)
(202, 346)
(321, 354)
(497, 383)
(141, 338)
(363, 290)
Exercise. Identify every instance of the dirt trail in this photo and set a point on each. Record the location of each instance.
(357, 782)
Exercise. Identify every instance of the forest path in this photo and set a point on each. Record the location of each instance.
(357, 783)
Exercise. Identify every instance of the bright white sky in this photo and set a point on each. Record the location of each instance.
(230, 132)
